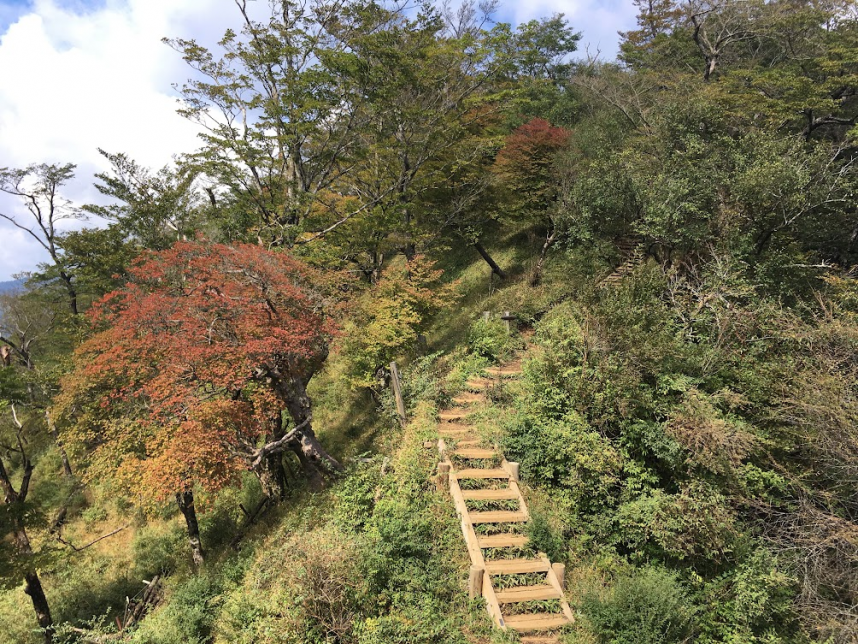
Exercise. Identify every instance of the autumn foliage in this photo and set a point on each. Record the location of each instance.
(525, 163)
(192, 365)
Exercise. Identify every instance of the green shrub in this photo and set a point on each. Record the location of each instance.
(648, 607)
(354, 497)
(566, 454)
(694, 526)
(490, 339)
(544, 539)
(158, 551)
(751, 603)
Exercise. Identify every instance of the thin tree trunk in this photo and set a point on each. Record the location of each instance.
(185, 500)
(33, 588)
(497, 270)
(14, 500)
(71, 290)
(52, 429)
(536, 276)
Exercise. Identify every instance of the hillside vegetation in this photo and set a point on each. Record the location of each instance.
(198, 438)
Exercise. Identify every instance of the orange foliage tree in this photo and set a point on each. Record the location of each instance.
(191, 370)
(526, 168)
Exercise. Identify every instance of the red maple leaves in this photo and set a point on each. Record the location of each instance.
(176, 386)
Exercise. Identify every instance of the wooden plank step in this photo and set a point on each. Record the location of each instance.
(479, 383)
(516, 566)
(498, 516)
(503, 372)
(470, 442)
(482, 473)
(503, 541)
(457, 413)
(451, 426)
(474, 452)
(468, 398)
(537, 639)
(502, 494)
(457, 433)
(527, 594)
(535, 621)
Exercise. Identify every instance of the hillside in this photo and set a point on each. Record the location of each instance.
(442, 336)
(11, 286)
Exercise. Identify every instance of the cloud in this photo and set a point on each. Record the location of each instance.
(597, 20)
(77, 77)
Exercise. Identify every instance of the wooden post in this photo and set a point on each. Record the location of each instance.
(511, 469)
(487, 315)
(508, 319)
(475, 582)
(560, 572)
(397, 392)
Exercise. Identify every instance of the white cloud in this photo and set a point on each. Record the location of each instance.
(597, 20)
(75, 79)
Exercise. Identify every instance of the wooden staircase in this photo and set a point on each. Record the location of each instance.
(635, 253)
(492, 510)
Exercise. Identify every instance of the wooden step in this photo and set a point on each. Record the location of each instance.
(469, 442)
(539, 639)
(456, 426)
(480, 383)
(503, 372)
(502, 494)
(503, 541)
(516, 566)
(498, 516)
(535, 621)
(456, 434)
(474, 452)
(468, 398)
(482, 473)
(457, 413)
(527, 594)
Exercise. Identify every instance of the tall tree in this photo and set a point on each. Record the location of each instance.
(280, 111)
(152, 209)
(39, 188)
(194, 369)
(526, 169)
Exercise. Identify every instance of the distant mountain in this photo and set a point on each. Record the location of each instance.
(11, 285)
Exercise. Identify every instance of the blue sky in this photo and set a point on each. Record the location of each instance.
(82, 74)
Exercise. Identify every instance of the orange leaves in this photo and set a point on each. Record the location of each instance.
(525, 164)
(187, 349)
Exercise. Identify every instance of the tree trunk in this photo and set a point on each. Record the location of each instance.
(71, 290)
(270, 472)
(310, 452)
(33, 588)
(14, 501)
(272, 477)
(52, 429)
(536, 276)
(497, 270)
(311, 471)
(185, 500)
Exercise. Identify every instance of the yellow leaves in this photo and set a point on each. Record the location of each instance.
(391, 315)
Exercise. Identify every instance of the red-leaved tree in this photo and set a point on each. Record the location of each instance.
(194, 371)
(526, 168)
